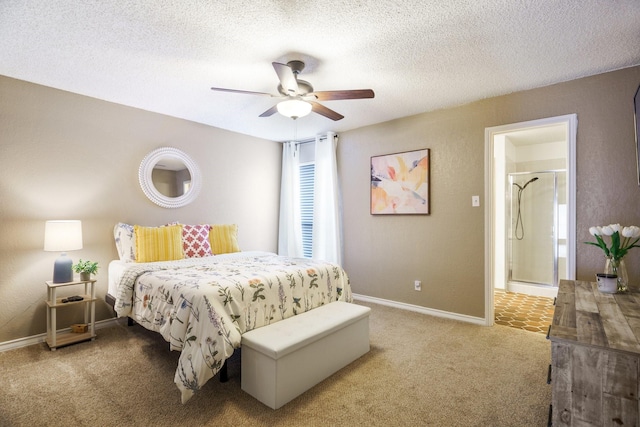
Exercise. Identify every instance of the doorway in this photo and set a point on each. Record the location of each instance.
(530, 207)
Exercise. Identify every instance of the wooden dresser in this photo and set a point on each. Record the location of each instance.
(595, 357)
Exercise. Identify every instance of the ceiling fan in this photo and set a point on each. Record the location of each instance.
(299, 98)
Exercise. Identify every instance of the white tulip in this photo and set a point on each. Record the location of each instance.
(615, 227)
(636, 231)
(594, 231)
(628, 231)
(607, 230)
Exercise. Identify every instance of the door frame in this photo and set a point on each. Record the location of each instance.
(571, 123)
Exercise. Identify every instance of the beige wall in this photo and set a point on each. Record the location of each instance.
(66, 156)
(50, 138)
(385, 254)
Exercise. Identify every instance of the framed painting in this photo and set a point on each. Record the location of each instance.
(400, 183)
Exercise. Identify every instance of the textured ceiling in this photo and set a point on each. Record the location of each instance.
(163, 55)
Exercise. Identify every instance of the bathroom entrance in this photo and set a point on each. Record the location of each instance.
(530, 207)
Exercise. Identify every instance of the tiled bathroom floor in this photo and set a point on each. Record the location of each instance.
(522, 311)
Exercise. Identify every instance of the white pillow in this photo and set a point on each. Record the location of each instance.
(125, 241)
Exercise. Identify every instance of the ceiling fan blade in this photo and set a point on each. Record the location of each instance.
(246, 92)
(335, 95)
(324, 111)
(287, 78)
(270, 112)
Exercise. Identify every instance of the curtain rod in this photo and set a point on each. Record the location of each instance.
(307, 141)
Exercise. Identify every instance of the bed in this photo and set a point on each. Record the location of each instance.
(203, 305)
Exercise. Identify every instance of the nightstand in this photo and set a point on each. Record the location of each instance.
(56, 339)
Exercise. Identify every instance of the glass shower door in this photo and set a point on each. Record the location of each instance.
(533, 243)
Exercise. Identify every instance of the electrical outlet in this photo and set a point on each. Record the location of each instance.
(417, 285)
(475, 201)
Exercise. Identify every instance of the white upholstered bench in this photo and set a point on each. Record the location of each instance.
(283, 360)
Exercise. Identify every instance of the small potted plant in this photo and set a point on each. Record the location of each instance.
(86, 269)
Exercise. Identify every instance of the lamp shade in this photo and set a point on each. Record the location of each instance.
(294, 108)
(61, 236)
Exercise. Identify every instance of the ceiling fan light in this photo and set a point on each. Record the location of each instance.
(294, 108)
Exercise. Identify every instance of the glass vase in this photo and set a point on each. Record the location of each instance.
(618, 267)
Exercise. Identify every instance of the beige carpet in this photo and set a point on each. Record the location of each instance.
(421, 371)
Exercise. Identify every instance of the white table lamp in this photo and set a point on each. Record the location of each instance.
(63, 236)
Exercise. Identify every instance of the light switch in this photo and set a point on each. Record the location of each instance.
(475, 201)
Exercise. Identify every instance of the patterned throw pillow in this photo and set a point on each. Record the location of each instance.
(158, 243)
(224, 238)
(195, 241)
(125, 241)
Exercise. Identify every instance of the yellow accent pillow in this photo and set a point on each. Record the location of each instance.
(158, 243)
(224, 238)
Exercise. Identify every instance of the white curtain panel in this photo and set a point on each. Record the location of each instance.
(290, 227)
(327, 214)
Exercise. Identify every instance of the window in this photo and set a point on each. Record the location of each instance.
(307, 175)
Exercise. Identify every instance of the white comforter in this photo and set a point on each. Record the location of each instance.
(202, 306)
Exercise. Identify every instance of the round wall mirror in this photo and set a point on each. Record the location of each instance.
(169, 178)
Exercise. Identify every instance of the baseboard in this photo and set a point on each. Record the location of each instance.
(538, 291)
(424, 310)
(36, 339)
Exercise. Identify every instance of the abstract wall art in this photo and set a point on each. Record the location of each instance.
(400, 183)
